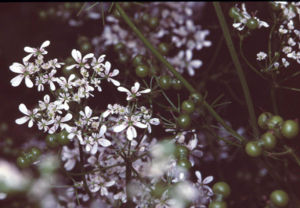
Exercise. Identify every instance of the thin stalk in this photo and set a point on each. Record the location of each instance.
(293, 154)
(187, 85)
(82, 170)
(238, 67)
(274, 103)
(289, 88)
(247, 62)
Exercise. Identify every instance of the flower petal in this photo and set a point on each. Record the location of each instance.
(123, 89)
(120, 127)
(17, 68)
(45, 44)
(154, 121)
(131, 133)
(87, 56)
(115, 82)
(145, 91)
(29, 49)
(76, 55)
(140, 125)
(23, 109)
(104, 142)
(28, 82)
(208, 179)
(67, 117)
(199, 176)
(16, 81)
(22, 120)
(102, 130)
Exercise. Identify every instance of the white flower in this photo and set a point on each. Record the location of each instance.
(261, 56)
(200, 41)
(149, 120)
(108, 75)
(191, 64)
(86, 115)
(39, 52)
(60, 122)
(97, 183)
(81, 62)
(70, 156)
(23, 71)
(66, 85)
(134, 91)
(129, 123)
(49, 78)
(203, 184)
(29, 115)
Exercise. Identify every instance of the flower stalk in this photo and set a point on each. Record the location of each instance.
(238, 67)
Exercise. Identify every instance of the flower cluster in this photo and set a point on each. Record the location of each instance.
(176, 24)
(103, 136)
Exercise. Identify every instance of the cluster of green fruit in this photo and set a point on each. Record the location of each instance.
(276, 128)
(221, 191)
(54, 140)
(28, 157)
(188, 107)
(182, 156)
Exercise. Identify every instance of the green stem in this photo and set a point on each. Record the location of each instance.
(237, 66)
(173, 70)
(293, 154)
(247, 62)
(273, 97)
(82, 170)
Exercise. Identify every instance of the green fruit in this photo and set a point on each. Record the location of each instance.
(123, 58)
(184, 163)
(52, 140)
(184, 121)
(279, 198)
(218, 204)
(35, 152)
(165, 82)
(268, 140)
(138, 60)
(62, 138)
(196, 97)
(153, 22)
(234, 13)
(252, 23)
(176, 84)
(274, 122)
(142, 71)
(188, 106)
(23, 162)
(119, 47)
(253, 149)
(85, 47)
(222, 188)
(290, 129)
(263, 120)
(163, 48)
(181, 152)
